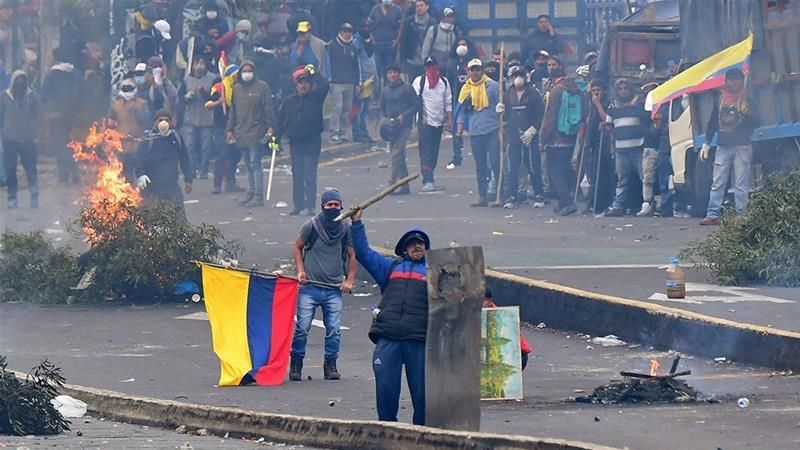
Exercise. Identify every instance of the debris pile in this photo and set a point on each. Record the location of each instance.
(25, 406)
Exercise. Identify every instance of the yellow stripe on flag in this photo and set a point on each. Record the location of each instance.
(226, 305)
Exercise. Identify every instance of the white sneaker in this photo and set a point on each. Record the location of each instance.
(428, 187)
(646, 210)
(451, 166)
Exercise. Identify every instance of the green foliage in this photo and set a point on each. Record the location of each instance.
(761, 247)
(32, 270)
(25, 406)
(144, 256)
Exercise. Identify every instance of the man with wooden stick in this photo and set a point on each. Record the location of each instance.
(400, 322)
(323, 252)
(481, 96)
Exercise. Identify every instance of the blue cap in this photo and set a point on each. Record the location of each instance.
(415, 233)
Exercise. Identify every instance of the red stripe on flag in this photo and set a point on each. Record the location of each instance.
(283, 307)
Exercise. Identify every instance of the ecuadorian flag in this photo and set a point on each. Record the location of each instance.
(706, 75)
(252, 322)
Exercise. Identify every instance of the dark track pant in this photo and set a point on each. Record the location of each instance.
(430, 138)
(562, 177)
(26, 153)
(305, 160)
(388, 360)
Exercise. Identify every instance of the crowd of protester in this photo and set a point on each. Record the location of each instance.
(235, 85)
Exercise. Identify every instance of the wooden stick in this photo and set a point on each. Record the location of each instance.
(377, 197)
(500, 132)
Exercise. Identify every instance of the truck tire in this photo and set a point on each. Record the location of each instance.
(703, 176)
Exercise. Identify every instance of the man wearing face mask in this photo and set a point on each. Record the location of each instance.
(159, 157)
(323, 252)
(300, 120)
(250, 119)
(197, 120)
(539, 73)
(211, 18)
(457, 72)
(400, 321)
(523, 111)
(132, 117)
(20, 111)
(439, 39)
(436, 112)
(234, 43)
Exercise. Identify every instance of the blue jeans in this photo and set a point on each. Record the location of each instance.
(360, 131)
(664, 172)
(486, 151)
(255, 172)
(737, 158)
(384, 56)
(388, 360)
(199, 142)
(629, 166)
(307, 301)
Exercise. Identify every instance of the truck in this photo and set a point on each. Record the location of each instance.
(669, 33)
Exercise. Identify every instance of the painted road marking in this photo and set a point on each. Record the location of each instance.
(590, 267)
(732, 295)
(201, 315)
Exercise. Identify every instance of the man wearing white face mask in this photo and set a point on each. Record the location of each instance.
(439, 40)
(211, 19)
(132, 116)
(158, 159)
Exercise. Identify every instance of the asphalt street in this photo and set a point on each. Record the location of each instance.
(91, 433)
(164, 351)
(149, 350)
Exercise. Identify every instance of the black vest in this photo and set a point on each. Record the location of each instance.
(403, 310)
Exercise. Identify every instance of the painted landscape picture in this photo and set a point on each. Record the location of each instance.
(501, 364)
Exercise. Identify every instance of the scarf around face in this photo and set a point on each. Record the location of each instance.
(328, 230)
(433, 75)
(476, 90)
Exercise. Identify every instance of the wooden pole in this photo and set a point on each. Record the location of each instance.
(500, 136)
(376, 198)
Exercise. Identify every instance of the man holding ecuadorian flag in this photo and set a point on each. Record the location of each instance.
(733, 120)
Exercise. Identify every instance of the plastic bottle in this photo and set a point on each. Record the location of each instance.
(676, 280)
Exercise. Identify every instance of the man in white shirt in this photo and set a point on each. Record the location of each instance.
(435, 113)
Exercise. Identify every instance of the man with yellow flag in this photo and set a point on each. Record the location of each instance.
(479, 105)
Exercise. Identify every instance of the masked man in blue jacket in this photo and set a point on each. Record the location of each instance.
(400, 322)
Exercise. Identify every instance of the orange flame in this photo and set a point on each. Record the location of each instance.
(106, 198)
(654, 366)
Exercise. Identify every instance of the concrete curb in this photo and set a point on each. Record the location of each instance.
(318, 432)
(567, 308)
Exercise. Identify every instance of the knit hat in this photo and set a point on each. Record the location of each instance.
(243, 25)
(163, 113)
(331, 194)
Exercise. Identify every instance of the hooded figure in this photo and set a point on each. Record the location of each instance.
(20, 110)
(400, 321)
(212, 18)
(251, 119)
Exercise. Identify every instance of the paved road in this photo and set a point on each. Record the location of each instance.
(618, 256)
(165, 351)
(91, 433)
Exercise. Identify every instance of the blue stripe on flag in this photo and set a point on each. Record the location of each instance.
(259, 320)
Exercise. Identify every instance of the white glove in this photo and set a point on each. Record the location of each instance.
(142, 182)
(500, 108)
(704, 151)
(527, 135)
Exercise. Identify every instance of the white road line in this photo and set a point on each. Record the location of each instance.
(201, 315)
(586, 267)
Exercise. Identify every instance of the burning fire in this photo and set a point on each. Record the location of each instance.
(654, 366)
(111, 193)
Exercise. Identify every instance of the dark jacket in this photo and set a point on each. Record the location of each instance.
(159, 158)
(403, 310)
(341, 62)
(300, 116)
(399, 98)
(549, 135)
(60, 92)
(538, 40)
(251, 112)
(20, 116)
(523, 112)
(740, 131)
(413, 37)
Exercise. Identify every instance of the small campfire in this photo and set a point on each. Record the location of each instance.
(645, 388)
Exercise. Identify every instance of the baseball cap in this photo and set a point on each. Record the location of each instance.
(299, 73)
(141, 68)
(543, 53)
(516, 70)
(431, 61)
(448, 12)
(163, 27)
(474, 63)
(303, 27)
